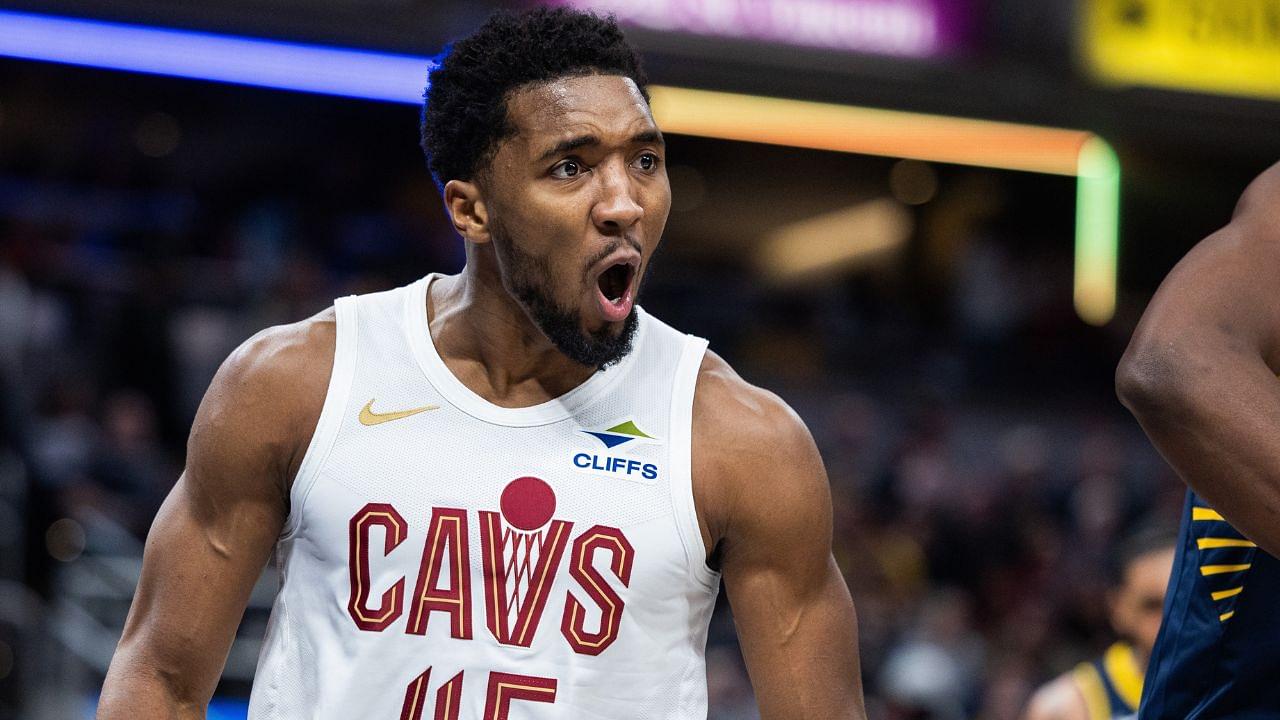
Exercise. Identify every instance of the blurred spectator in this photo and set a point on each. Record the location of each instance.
(1109, 687)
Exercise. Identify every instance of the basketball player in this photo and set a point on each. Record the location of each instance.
(509, 492)
(1109, 687)
(1200, 375)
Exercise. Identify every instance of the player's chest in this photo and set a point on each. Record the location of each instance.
(497, 530)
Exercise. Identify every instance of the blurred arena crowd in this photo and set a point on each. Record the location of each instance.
(981, 468)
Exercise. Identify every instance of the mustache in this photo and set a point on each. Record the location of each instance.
(610, 249)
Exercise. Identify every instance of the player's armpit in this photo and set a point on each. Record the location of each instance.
(1200, 371)
(763, 495)
(215, 531)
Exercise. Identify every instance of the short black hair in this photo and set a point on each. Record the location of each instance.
(1150, 536)
(465, 118)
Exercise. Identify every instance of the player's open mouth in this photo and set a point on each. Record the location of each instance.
(615, 290)
(615, 281)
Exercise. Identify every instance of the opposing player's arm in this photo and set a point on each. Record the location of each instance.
(766, 507)
(1058, 700)
(1200, 371)
(216, 529)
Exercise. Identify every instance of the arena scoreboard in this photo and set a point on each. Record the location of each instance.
(1229, 47)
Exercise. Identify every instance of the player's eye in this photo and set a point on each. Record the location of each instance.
(566, 169)
(647, 162)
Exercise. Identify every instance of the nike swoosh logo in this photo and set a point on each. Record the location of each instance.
(369, 417)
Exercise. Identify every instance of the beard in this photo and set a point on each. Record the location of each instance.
(528, 279)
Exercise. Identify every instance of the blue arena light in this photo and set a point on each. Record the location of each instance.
(207, 56)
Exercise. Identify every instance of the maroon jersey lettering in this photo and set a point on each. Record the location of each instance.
(392, 604)
(505, 687)
(448, 698)
(508, 565)
(581, 567)
(447, 544)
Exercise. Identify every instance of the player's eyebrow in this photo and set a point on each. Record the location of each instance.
(573, 143)
(648, 137)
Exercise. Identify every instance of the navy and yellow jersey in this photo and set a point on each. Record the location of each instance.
(1218, 651)
(1111, 685)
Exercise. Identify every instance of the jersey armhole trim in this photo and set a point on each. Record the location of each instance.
(681, 461)
(335, 404)
(1088, 681)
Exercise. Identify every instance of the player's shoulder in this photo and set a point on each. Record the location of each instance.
(757, 474)
(1265, 188)
(269, 391)
(279, 366)
(283, 355)
(734, 417)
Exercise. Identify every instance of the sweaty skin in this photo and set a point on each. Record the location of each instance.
(1200, 371)
(1135, 608)
(760, 488)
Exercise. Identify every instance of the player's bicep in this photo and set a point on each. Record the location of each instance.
(211, 538)
(799, 641)
(199, 566)
(793, 610)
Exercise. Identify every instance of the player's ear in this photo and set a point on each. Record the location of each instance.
(465, 204)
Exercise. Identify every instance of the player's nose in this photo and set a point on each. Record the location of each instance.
(617, 207)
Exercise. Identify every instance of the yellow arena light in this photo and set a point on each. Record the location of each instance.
(936, 138)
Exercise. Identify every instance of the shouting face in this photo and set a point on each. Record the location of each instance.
(577, 200)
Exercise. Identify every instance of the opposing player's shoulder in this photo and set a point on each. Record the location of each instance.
(266, 397)
(1257, 213)
(1263, 194)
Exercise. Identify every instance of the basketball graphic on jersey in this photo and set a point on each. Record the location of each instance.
(522, 547)
(528, 503)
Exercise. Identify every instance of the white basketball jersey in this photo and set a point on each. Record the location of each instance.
(449, 559)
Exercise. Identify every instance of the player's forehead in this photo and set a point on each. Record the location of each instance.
(1151, 568)
(607, 107)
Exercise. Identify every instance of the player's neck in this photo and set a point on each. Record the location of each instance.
(489, 343)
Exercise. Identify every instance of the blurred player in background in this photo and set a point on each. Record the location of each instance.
(509, 487)
(1109, 687)
(1200, 375)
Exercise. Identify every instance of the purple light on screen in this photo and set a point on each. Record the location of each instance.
(908, 28)
(222, 58)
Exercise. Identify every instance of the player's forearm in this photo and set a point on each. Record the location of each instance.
(1213, 411)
